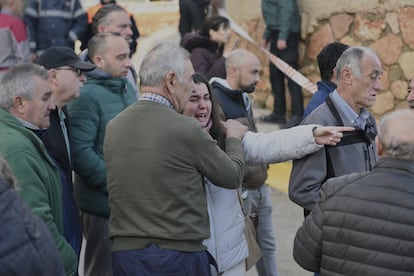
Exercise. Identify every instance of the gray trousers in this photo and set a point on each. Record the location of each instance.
(98, 245)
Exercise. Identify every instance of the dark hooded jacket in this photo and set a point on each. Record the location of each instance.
(235, 105)
(206, 55)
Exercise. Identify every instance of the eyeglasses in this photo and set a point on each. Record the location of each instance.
(77, 71)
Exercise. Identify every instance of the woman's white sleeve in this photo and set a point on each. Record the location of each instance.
(280, 145)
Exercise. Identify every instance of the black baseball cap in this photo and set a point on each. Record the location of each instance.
(55, 57)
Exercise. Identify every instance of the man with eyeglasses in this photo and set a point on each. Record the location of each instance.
(358, 73)
(105, 93)
(66, 77)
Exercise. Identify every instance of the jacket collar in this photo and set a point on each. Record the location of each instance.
(11, 121)
(394, 163)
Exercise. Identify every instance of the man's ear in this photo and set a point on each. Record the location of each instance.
(100, 29)
(98, 61)
(53, 76)
(19, 104)
(347, 75)
(170, 80)
(231, 70)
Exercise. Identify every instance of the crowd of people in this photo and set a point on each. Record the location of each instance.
(157, 169)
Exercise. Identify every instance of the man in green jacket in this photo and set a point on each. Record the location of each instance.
(105, 93)
(25, 105)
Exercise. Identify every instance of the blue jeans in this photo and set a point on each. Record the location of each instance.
(155, 261)
(258, 201)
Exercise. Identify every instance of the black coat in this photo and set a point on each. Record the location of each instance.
(234, 107)
(56, 146)
(26, 245)
(363, 224)
(206, 55)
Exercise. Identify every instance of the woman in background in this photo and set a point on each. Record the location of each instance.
(207, 46)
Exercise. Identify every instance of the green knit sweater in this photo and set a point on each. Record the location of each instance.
(156, 161)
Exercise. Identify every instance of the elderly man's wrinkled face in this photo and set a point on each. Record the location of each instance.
(184, 87)
(69, 81)
(410, 97)
(37, 109)
(119, 23)
(366, 87)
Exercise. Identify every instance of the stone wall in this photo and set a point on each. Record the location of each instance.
(385, 26)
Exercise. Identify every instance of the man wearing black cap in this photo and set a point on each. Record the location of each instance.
(66, 78)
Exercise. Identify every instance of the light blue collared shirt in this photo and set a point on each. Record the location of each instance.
(357, 120)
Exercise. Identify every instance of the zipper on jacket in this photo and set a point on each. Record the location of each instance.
(367, 157)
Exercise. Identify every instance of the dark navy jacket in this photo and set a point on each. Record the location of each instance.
(232, 102)
(55, 144)
(236, 105)
(324, 88)
(26, 245)
(54, 23)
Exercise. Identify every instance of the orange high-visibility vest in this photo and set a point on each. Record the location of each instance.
(92, 11)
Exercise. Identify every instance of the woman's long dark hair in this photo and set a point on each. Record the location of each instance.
(213, 23)
(217, 130)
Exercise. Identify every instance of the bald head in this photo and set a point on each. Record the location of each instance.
(395, 135)
(243, 70)
(239, 58)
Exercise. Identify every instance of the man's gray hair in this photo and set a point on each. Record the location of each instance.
(161, 60)
(396, 135)
(102, 16)
(351, 58)
(19, 81)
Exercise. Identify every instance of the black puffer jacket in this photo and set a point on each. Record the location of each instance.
(206, 55)
(362, 225)
(26, 245)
